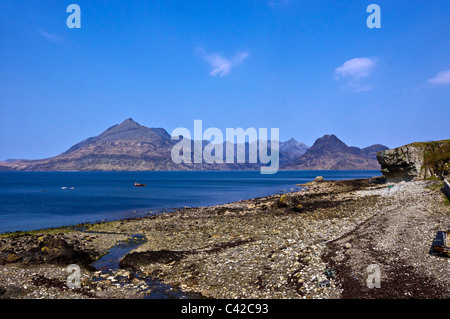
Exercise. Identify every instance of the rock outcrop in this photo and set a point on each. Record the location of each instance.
(30, 250)
(402, 163)
(415, 161)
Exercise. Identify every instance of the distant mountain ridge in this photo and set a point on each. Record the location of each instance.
(128, 130)
(130, 146)
(330, 153)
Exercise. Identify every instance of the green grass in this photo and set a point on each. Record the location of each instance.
(40, 232)
(430, 144)
(435, 185)
(446, 201)
(436, 156)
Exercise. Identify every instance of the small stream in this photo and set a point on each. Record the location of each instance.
(109, 264)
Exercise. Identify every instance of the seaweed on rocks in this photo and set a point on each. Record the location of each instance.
(136, 259)
(34, 250)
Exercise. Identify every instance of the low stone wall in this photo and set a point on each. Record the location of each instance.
(447, 188)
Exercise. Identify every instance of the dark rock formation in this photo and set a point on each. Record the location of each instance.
(32, 250)
(135, 259)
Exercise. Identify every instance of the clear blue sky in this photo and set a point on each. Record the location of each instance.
(306, 67)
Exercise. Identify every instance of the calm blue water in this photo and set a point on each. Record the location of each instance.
(36, 200)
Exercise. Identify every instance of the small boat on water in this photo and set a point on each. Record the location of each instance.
(139, 184)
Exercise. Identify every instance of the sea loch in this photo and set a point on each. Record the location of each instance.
(36, 200)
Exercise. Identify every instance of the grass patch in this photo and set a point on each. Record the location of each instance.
(446, 201)
(436, 185)
(436, 158)
(42, 232)
(431, 143)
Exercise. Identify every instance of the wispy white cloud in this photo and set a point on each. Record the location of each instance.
(52, 36)
(277, 3)
(355, 86)
(355, 68)
(441, 78)
(354, 71)
(220, 65)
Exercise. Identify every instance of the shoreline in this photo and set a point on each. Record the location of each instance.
(21, 220)
(296, 245)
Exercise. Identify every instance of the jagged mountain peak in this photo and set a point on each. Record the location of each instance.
(126, 125)
(128, 131)
(330, 143)
(329, 152)
(293, 146)
(131, 130)
(130, 122)
(291, 141)
(328, 138)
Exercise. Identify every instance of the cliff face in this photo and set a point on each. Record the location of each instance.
(402, 163)
(415, 161)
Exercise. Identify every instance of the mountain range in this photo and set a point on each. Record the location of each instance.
(132, 147)
(330, 153)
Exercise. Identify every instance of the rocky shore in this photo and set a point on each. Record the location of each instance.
(313, 243)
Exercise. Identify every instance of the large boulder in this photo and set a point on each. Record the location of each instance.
(402, 163)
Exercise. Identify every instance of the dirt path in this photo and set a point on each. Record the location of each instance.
(398, 239)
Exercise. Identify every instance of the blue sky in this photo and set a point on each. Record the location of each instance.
(306, 67)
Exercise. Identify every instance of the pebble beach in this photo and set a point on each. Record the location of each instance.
(315, 243)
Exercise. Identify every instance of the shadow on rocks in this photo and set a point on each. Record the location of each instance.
(32, 250)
